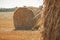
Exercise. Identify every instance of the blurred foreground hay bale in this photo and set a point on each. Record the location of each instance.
(23, 19)
(50, 28)
(52, 20)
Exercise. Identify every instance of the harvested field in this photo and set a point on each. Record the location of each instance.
(6, 21)
(20, 35)
(7, 29)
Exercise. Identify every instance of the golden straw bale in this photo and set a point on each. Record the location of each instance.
(23, 19)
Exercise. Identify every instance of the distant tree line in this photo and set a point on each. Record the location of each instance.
(40, 7)
(13, 9)
(7, 9)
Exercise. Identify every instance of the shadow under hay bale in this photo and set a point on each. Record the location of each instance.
(23, 19)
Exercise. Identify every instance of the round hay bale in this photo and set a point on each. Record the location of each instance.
(23, 19)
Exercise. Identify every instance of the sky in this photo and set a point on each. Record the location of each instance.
(20, 3)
